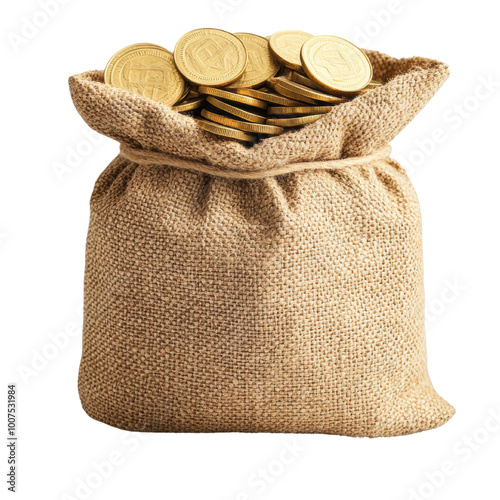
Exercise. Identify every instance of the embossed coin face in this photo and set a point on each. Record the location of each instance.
(148, 70)
(335, 64)
(286, 45)
(261, 64)
(210, 57)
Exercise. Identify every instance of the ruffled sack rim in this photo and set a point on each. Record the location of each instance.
(354, 128)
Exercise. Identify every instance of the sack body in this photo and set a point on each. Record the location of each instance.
(290, 303)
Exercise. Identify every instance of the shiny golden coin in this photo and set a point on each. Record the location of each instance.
(256, 128)
(335, 64)
(224, 131)
(232, 96)
(148, 70)
(366, 90)
(293, 122)
(369, 88)
(210, 57)
(186, 93)
(310, 84)
(286, 45)
(233, 110)
(261, 64)
(192, 94)
(305, 91)
(275, 85)
(296, 77)
(189, 104)
(112, 62)
(299, 110)
(286, 72)
(264, 95)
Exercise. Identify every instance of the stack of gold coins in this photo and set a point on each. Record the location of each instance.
(242, 86)
(227, 69)
(320, 72)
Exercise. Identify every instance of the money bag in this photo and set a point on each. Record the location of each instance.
(271, 288)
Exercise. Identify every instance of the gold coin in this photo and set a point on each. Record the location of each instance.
(224, 131)
(286, 45)
(233, 110)
(369, 88)
(275, 85)
(192, 94)
(189, 104)
(267, 96)
(148, 70)
(286, 72)
(210, 57)
(335, 64)
(296, 77)
(261, 64)
(293, 122)
(115, 58)
(187, 91)
(256, 128)
(231, 96)
(299, 110)
(305, 91)
(307, 82)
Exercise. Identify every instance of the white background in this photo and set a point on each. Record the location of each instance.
(43, 224)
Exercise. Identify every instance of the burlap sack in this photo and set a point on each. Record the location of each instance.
(280, 303)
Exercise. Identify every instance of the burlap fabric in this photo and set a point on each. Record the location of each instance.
(288, 303)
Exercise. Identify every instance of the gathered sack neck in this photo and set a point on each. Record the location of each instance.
(145, 157)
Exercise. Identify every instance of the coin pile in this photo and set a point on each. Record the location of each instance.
(243, 86)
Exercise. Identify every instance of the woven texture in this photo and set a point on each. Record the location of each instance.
(291, 303)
